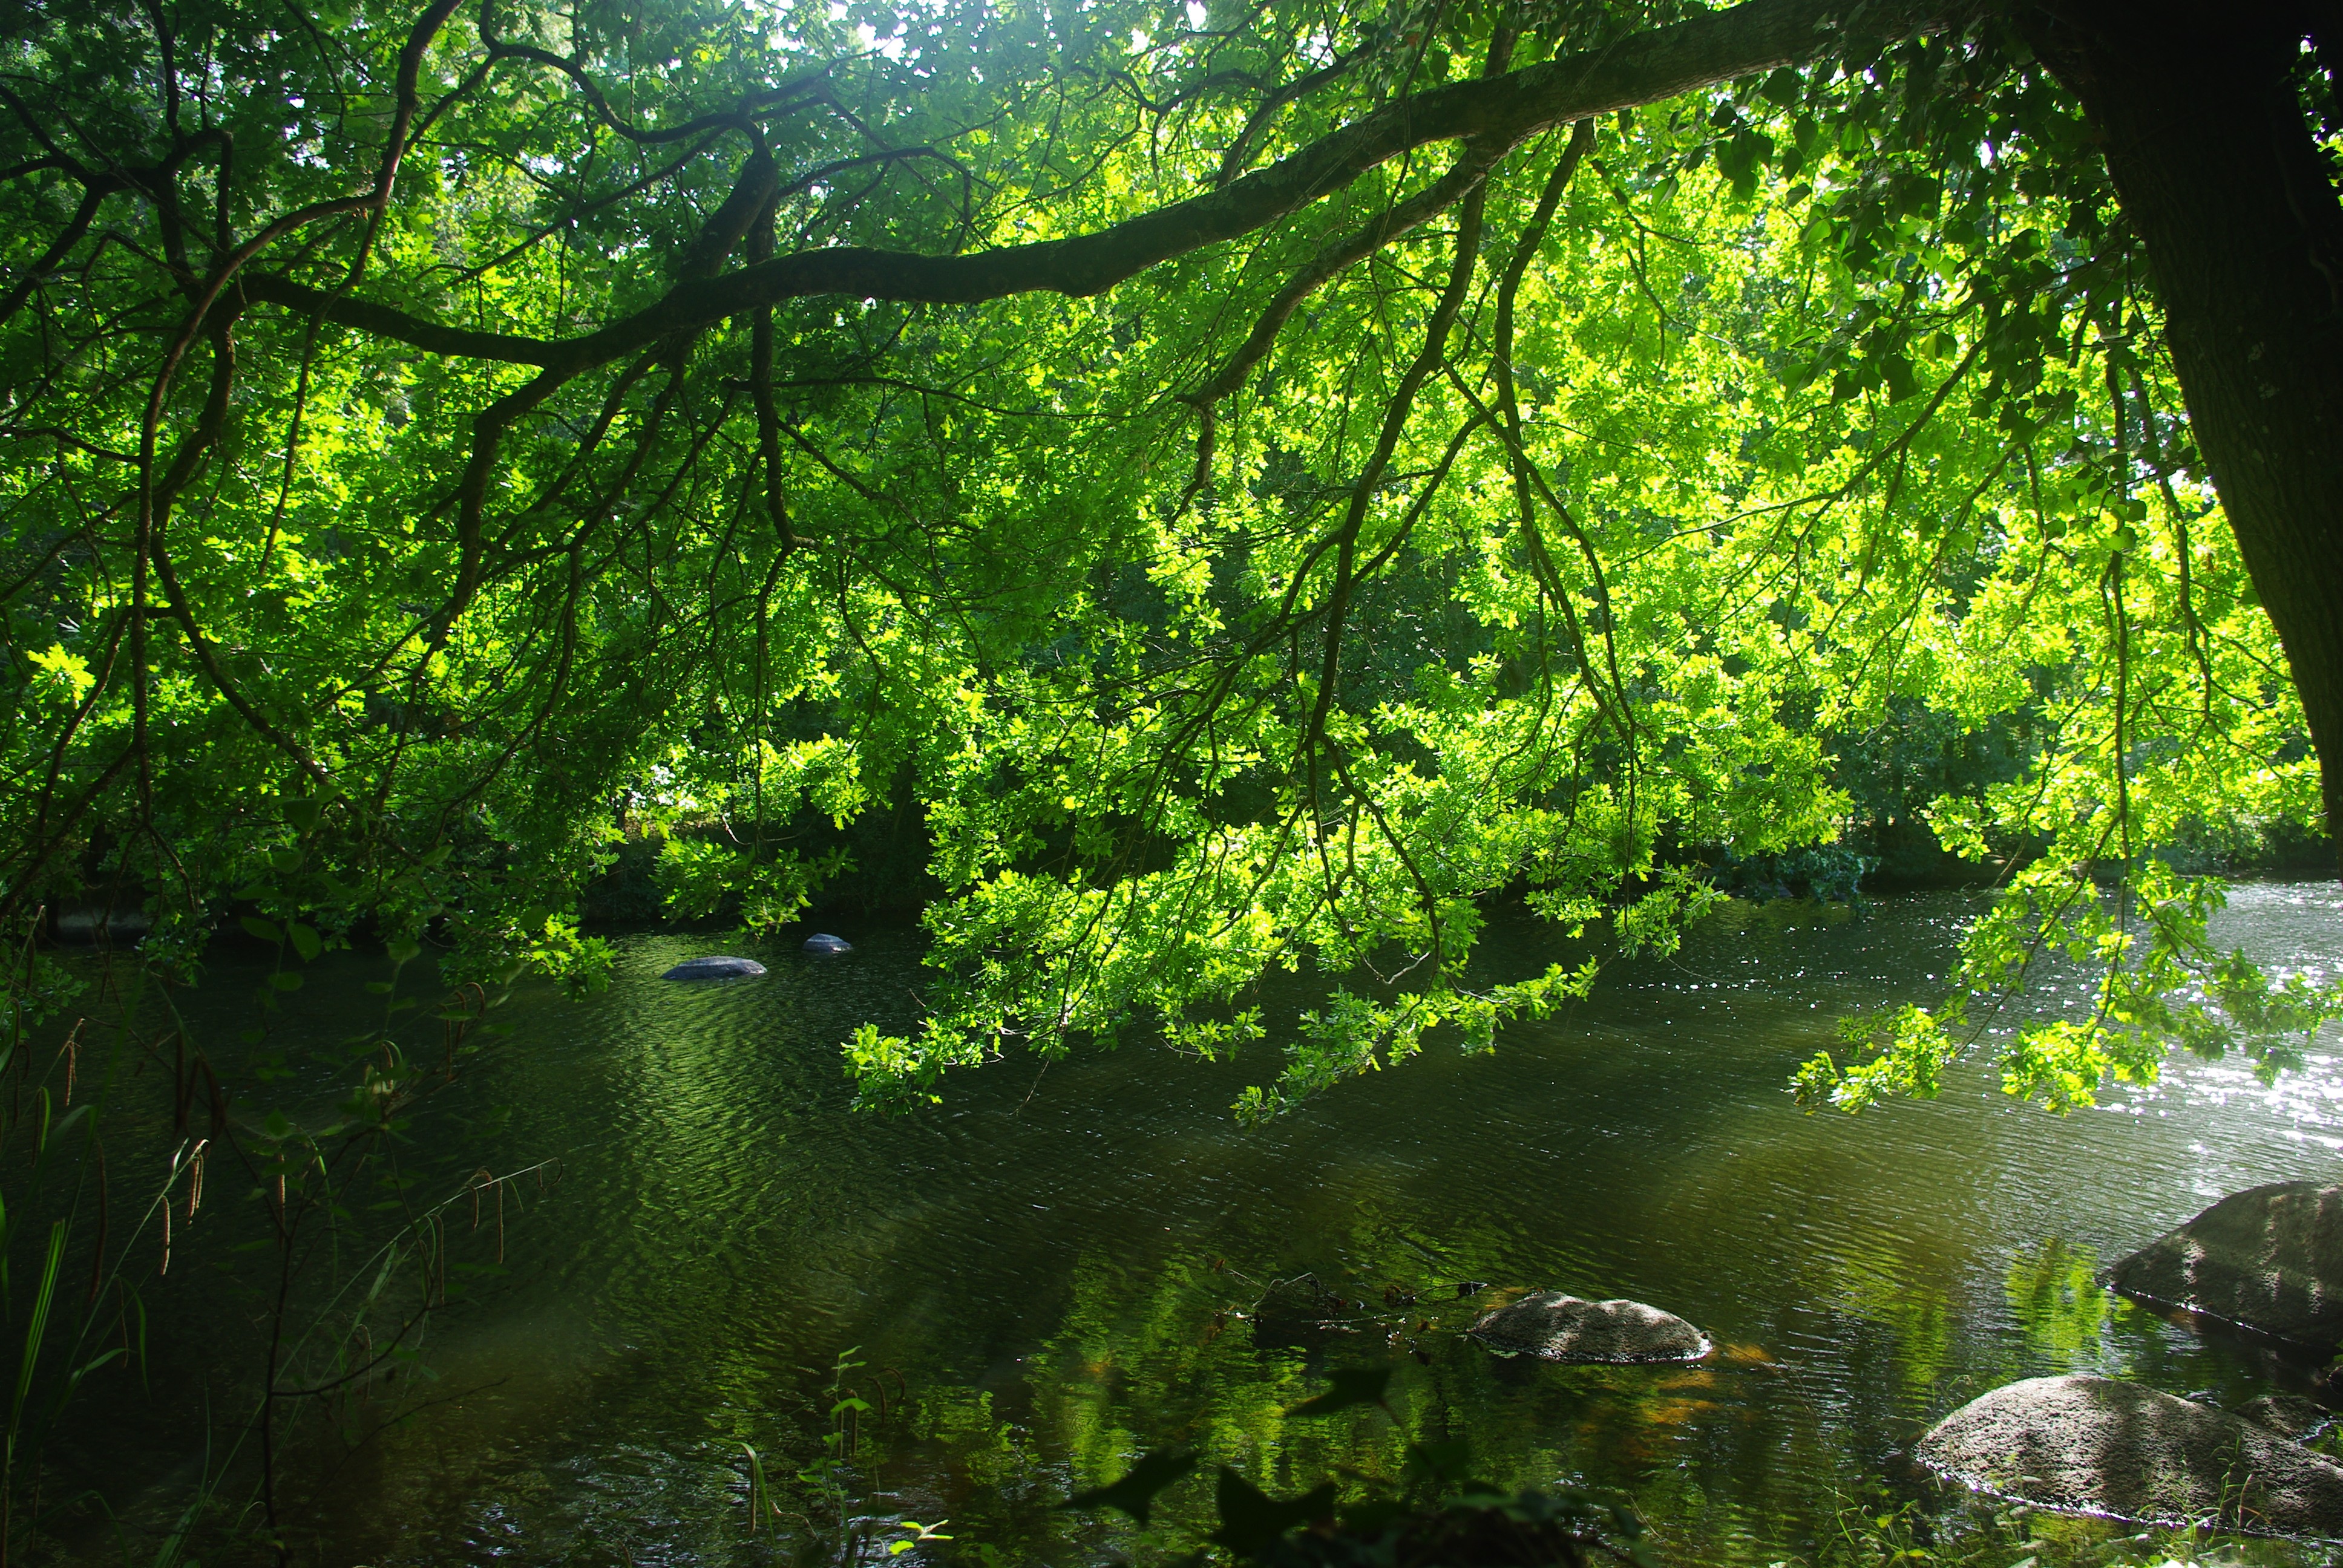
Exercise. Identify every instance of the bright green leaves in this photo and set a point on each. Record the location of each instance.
(2154, 979)
(1831, 406)
(68, 670)
(1352, 1034)
(581, 964)
(701, 876)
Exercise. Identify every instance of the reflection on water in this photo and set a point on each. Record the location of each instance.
(1039, 1273)
(2058, 1302)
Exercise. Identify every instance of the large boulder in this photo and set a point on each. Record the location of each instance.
(2095, 1445)
(821, 944)
(1554, 1326)
(717, 967)
(2289, 1416)
(2269, 1259)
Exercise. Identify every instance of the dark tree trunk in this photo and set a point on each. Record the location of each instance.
(2205, 137)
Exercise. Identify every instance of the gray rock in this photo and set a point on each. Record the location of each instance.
(2095, 1445)
(1554, 1326)
(719, 966)
(2269, 1259)
(822, 944)
(2288, 1415)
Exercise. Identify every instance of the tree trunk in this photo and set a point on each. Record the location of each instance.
(2206, 140)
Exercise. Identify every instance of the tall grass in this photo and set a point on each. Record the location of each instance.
(358, 1251)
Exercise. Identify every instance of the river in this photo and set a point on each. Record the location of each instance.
(1038, 1273)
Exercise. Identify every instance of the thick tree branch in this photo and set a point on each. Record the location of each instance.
(388, 321)
(751, 194)
(1495, 113)
(59, 248)
(1240, 153)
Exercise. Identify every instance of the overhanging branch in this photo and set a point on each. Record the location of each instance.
(1494, 112)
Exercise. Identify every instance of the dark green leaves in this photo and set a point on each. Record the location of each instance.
(1353, 1386)
(1135, 1492)
(1250, 1519)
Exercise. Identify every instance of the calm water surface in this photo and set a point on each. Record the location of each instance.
(1038, 1272)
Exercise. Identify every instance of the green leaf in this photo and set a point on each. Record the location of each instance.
(305, 940)
(1896, 372)
(267, 930)
(1353, 1386)
(1250, 1519)
(1445, 1462)
(286, 980)
(1135, 1492)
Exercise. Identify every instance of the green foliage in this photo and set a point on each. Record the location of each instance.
(1136, 1491)
(421, 488)
(2158, 979)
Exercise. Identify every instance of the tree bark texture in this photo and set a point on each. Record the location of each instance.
(2206, 138)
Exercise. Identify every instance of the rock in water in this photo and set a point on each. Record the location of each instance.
(719, 966)
(2094, 1445)
(2289, 1416)
(2269, 1259)
(822, 943)
(1558, 1327)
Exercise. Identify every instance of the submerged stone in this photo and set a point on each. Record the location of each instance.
(822, 943)
(2269, 1259)
(1554, 1326)
(2095, 1445)
(718, 967)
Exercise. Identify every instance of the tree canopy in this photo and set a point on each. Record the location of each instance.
(1253, 481)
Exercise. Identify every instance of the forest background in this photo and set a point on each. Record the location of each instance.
(1220, 488)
